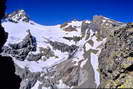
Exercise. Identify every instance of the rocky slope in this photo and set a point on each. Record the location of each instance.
(116, 59)
(76, 54)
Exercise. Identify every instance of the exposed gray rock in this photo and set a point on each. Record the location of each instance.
(61, 46)
(115, 60)
(29, 40)
(33, 57)
(27, 84)
(84, 27)
(22, 49)
(47, 53)
(74, 38)
(16, 16)
(28, 78)
(70, 29)
(103, 26)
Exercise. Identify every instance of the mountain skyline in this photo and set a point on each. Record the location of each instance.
(52, 12)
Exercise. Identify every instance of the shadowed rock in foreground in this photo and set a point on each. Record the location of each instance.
(3, 34)
(8, 79)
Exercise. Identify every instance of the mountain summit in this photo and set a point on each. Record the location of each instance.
(19, 15)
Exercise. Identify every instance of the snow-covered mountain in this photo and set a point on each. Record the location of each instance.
(60, 56)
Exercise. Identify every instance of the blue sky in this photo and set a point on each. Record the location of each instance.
(51, 12)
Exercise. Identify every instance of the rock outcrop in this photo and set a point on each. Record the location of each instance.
(116, 59)
(16, 16)
(21, 50)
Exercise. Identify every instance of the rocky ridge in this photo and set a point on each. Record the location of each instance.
(16, 16)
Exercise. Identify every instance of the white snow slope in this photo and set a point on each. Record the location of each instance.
(17, 31)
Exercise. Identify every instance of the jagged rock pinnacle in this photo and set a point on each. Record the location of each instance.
(19, 15)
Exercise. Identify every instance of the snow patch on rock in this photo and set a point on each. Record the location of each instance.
(62, 85)
(36, 85)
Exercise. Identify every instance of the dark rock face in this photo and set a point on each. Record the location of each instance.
(3, 37)
(116, 59)
(70, 29)
(2, 8)
(74, 38)
(3, 34)
(8, 79)
(63, 47)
